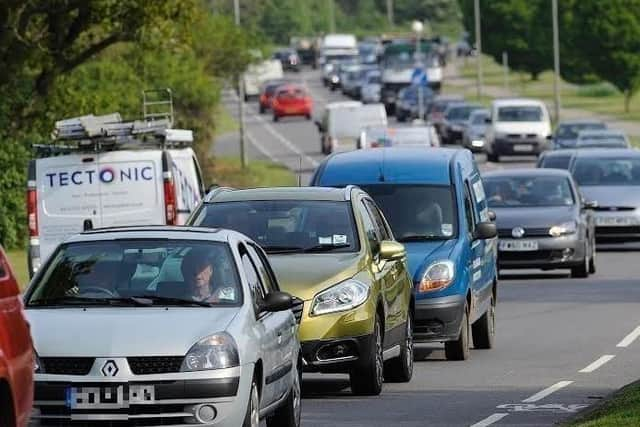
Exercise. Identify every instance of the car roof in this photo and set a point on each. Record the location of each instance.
(153, 232)
(483, 111)
(607, 153)
(516, 101)
(600, 132)
(525, 172)
(448, 98)
(343, 104)
(402, 165)
(580, 122)
(282, 193)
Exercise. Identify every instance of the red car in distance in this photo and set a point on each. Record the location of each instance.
(291, 100)
(267, 92)
(16, 352)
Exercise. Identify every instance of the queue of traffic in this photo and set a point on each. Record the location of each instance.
(154, 300)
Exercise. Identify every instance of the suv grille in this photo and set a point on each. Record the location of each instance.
(155, 364)
(66, 365)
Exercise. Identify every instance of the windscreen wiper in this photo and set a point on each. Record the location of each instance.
(282, 249)
(326, 248)
(76, 300)
(418, 238)
(153, 299)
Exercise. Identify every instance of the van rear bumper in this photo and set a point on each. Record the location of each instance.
(438, 319)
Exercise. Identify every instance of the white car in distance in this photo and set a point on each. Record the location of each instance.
(163, 325)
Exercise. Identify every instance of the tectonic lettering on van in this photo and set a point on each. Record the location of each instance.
(115, 188)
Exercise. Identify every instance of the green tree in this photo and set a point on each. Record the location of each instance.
(606, 38)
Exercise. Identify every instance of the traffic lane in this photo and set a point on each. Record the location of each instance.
(548, 328)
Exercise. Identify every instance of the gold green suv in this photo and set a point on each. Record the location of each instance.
(332, 249)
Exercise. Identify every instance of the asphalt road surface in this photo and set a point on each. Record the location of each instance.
(562, 344)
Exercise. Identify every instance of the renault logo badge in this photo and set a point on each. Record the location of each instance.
(110, 369)
(517, 232)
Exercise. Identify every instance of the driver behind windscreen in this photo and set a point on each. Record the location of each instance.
(198, 271)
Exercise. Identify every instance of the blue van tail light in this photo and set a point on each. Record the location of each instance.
(437, 276)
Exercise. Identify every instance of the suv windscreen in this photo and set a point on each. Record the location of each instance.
(416, 212)
(556, 162)
(520, 114)
(139, 272)
(607, 171)
(479, 118)
(283, 226)
(528, 191)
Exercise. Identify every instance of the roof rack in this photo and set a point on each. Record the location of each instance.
(157, 104)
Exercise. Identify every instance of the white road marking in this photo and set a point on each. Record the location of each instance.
(598, 363)
(490, 420)
(261, 148)
(547, 391)
(626, 342)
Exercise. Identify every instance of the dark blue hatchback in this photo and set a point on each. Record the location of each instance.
(435, 203)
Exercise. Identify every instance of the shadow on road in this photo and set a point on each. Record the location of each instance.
(325, 387)
(533, 276)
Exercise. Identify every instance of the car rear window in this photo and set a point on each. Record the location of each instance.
(556, 162)
(109, 272)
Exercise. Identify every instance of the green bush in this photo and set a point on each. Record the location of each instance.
(597, 90)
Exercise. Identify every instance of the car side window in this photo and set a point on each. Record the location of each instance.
(199, 177)
(378, 219)
(468, 210)
(370, 228)
(266, 275)
(252, 275)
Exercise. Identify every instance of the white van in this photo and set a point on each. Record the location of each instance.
(517, 127)
(342, 123)
(259, 73)
(117, 185)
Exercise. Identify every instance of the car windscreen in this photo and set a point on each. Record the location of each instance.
(374, 79)
(139, 272)
(556, 162)
(287, 226)
(416, 212)
(520, 114)
(460, 113)
(571, 130)
(528, 191)
(607, 171)
(602, 143)
(479, 118)
(400, 60)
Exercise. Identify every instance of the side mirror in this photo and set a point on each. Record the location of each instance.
(590, 204)
(391, 251)
(485, 230)
(277, 301)
(492, 215)
(87, 225)
(487, 120)
(550, 137)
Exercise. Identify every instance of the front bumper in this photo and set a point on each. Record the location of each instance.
(519, 147)
(438, 319)
(553, 252)
(167, 399)
(336, 355)
(616, 225)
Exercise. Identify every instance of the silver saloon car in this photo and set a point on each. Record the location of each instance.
(163, 325)
(542, 221)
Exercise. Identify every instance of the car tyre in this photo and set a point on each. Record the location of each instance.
(400, 117)
(459, 349)
(276, 117)
(307, 116)
(581, 271)
(289, 414)
(592, 260)
(252, 418)
(367, 378)
(400, 369)
(262, 109)
(493, 157)
(484, 329)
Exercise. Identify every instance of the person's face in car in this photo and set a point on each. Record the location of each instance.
(200, 277)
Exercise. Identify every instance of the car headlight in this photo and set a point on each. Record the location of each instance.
(218, 351)
(563, 229)
(437, 276)
(343, 296)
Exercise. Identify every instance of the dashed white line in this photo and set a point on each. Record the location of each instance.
(626, 341)
(598, 363)
(261, 148)
(547, 391)
(490, 420)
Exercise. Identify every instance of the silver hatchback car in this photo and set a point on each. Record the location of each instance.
(163, 325)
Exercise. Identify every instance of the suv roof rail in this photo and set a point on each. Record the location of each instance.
(214, 192)
(348, 189)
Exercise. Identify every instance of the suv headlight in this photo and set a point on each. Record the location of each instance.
(563, 229)
(218, 351)
(437, 276)
(343, 296)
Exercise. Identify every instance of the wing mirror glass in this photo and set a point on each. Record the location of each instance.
(485, 230)
(277, 301)
(390, 250)
(492, 215)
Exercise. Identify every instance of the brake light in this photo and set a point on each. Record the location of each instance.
(169, 198)
(32, 212)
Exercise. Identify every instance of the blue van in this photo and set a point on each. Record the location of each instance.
(435, 203)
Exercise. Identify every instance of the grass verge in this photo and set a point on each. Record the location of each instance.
(227, 171)
(622, 409)
(224, 122)
(18, 261)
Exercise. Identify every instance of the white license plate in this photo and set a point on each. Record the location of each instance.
(612, 221)
(518, 245)
(117, 396)
(522, 148)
